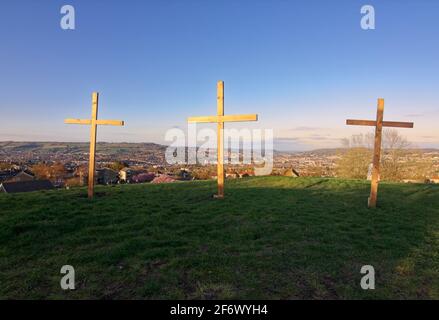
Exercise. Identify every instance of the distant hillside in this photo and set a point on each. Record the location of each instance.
(270, 238)
(335, 151)
(124, 147)
(72, 147)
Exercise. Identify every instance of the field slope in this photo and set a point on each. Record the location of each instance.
(271, 238)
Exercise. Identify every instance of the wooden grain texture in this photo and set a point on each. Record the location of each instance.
(98, 122)
(93, 123)
(220, 119)
(78, 121)
(371, 123)
(220, 153)
(93, 133)
(110, 123)
(229, 118)
(376, 155)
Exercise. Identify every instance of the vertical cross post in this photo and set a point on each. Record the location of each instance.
(372, 202)
(220, 148)
(92, 160)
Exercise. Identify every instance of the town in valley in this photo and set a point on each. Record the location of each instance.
(30, 166)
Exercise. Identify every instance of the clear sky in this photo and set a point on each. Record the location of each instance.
(303, 66)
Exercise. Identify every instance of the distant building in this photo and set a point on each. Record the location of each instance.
(26, 186)
(16, 176)
(130, 175)
(6, 175)
(125, 174)
(107, 176)
(21, 177)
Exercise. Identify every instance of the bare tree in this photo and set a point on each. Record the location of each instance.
(354, 161)
(395, 147)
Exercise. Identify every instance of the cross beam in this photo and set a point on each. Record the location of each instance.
(97, 122)
(378, 124)
(220, 119)
(93, 123)
(371, 123)
(235, 118)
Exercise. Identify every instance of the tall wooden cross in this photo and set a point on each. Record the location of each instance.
(93, 123)
(220, 118)
(378, 124)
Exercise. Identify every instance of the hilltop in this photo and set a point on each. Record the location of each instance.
(77, 147)
(271, 238)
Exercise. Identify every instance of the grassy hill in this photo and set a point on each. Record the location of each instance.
(123, 149)
(272, 237)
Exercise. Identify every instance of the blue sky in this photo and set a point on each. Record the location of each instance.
(303, 66)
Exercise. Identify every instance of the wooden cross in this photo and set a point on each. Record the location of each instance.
(220, 118)
(378, 124)
(93, 123)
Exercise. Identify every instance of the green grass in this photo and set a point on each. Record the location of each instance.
(271, 238)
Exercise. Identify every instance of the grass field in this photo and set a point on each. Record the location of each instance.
(271, 238)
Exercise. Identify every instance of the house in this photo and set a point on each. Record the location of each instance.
(21, 177)
(106, 176)
(127, 174)
(26, 186)
(16, 175)
(6, 175)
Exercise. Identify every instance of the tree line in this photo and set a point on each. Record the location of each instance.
(399, 160)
